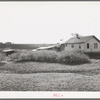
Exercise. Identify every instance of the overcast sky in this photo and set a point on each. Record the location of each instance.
(47, 22)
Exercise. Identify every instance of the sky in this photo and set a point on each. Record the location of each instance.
(48, 22)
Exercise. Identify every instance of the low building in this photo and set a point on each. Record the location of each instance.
(57, 47)
(9, 51)
(83, 43)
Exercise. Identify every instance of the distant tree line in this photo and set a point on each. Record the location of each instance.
(21, 46)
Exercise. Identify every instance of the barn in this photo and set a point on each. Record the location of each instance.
(83, 43)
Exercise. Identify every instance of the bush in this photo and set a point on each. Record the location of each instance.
(41, 56)
(14, 56)
(72, 58)
(51, 56)
(1, 57)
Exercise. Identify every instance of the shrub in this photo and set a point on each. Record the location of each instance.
(73, 58)
(41, 56)
(14, 56)
(1, 57)
(51, 56)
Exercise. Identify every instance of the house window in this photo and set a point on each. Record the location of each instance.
(79, 46)
(72, 45)
(95, 45)
(87, 45)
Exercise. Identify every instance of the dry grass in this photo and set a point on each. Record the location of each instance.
(49, 82)
(33, 76)
(39, 67)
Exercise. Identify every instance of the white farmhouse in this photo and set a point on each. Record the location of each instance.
(84, 43)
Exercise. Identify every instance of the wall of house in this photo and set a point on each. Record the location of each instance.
(75, 48)
(91, 46)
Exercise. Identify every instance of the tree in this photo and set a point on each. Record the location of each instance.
(8, 43)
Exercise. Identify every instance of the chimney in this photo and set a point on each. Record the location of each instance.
(77, 36)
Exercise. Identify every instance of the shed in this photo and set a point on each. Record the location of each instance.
(9, 51)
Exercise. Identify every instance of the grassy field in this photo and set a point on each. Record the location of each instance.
(35, 76)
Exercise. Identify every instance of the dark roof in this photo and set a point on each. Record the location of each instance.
(81, 39)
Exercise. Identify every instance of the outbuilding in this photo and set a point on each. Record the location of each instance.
(9, 51)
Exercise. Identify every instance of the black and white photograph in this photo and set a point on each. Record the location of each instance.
(50, 46)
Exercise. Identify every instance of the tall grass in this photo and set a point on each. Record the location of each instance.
(51, 56)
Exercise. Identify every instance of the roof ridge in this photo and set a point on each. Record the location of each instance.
(82, 39)
(87, 35)
(83, 36)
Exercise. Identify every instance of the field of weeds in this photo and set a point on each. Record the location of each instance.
(39, 76)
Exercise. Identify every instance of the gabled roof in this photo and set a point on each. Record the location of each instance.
(81, 39)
